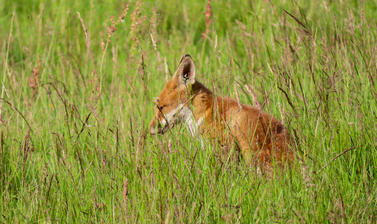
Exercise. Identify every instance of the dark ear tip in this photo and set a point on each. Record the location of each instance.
(184, 56)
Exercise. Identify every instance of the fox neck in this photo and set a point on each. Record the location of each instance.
(200, 107)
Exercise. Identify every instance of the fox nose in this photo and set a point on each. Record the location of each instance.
(153, 130)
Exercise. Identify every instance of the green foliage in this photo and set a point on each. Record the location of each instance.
(75, 108)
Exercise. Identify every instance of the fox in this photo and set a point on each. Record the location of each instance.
(260, 137)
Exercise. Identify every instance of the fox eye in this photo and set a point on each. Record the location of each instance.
(160, 107)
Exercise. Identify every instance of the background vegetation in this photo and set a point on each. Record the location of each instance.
(77, 83)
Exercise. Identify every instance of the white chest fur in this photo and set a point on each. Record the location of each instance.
(183, 113)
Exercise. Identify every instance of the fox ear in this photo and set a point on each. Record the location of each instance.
(186, 70)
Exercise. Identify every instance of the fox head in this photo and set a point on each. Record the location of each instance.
(172, 105)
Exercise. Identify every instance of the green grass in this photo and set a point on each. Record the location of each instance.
(74, 146)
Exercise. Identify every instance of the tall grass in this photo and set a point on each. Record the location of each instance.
(77, 83)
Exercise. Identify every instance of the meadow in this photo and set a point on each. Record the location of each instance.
(78, 79)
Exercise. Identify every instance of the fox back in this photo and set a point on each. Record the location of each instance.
(260, 137)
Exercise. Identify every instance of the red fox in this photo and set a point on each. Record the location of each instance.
(260, 137)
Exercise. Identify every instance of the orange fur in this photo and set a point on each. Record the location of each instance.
(260, 137)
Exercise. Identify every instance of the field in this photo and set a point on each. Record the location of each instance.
(78, 79)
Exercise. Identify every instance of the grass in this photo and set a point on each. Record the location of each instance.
(76, 100)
